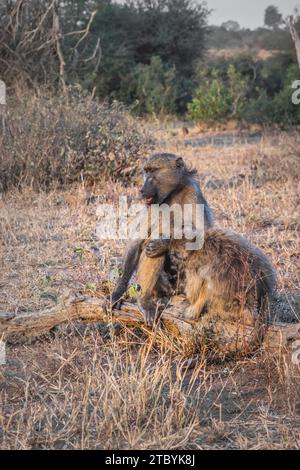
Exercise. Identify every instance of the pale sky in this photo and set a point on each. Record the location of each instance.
(249, 13)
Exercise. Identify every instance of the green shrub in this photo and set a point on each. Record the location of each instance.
(153, 88)
(277, 109)
(62, 139)
(211, 102)
(283, 109)
(257, 110)
(237, 90)
(217, 98)
(247, 90)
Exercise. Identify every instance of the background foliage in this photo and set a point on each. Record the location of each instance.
(157, 56)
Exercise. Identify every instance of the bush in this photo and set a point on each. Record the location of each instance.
(153, 87)
(257, 110)
(247, 89)
(62, 139)
(217, 98)
(211, 101)
(277, 109)
(134, 33)
(284, 110)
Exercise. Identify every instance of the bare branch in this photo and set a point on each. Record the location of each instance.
(97, 52)
(279, 337)
(87, 29)
(57, 36)
(30, 35)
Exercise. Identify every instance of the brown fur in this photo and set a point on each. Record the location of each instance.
(173, 183)
(229, 278)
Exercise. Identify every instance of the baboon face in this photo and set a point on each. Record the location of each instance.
(163, 174)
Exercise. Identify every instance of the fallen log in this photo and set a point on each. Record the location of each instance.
(76, 306)
(27, 326)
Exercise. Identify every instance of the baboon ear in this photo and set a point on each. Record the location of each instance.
(179, 162)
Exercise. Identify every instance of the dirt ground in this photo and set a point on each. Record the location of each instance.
(82, 386)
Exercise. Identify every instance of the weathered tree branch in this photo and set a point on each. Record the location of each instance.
(27, 326)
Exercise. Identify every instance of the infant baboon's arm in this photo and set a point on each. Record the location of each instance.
(157, 247)
(192, 239)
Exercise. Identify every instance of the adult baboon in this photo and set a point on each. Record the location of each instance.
(167, 180)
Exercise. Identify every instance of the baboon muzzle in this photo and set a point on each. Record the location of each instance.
(148, 193)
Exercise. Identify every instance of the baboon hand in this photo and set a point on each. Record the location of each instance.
(157, 247)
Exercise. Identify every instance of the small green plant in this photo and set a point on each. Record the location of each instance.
(114, 274)
(47, 280)
(91, 287)
(81, 252)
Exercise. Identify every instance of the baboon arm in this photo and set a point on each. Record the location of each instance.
(157, 247)
(133, 253)
(129, 266)
(191, 239)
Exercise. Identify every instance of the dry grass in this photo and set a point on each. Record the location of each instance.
(78, 389)
(88, 387)
(53, 141)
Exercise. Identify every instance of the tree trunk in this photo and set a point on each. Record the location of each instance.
(295, 38)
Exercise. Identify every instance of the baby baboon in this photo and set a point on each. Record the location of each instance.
(227, 277)
(167, 180)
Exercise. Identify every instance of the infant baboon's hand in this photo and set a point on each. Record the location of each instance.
(157, 247)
